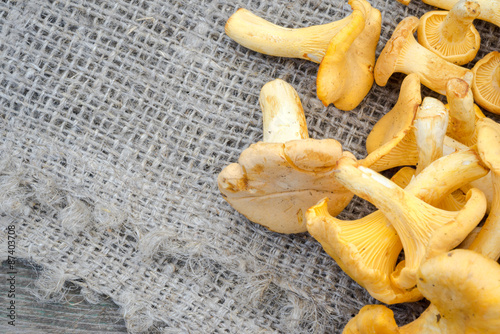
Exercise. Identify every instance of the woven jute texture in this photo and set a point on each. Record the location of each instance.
(116, 118)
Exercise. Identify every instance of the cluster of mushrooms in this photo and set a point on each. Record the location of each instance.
(291, 183)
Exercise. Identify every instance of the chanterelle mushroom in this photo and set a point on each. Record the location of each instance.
(409, 134)
(277, 180)
(486, 83)
(463, 112)
(490, 9)
(451, 34)
(367, 248)
(487, 241)
(393, 133)
(430, 127)
(424, 229)
(345, 74)
(311, 43)
(402, 53)
(464, 290)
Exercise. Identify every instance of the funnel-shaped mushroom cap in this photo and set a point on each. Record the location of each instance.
(486, 84)
(402, 53)
(397, 122)
(488, 240)
(464, 286)
(451, 34)
(490, 9)
(376, 319)
(345, 75)
(464, 290)
(273, 184)
(414, 141)
(366, 249)
(424, 229)
(391, 141)
(260, 35)
(488, 143)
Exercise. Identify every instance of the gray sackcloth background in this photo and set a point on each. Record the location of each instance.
(117, 116)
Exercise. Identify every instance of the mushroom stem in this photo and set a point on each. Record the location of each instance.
(490, 9)
(404, 54)
(430, 130)
(462, 125)
(367, 248)
(458, 20)
(282, 113)
(260, 35)
(424, 229)
(432, 70)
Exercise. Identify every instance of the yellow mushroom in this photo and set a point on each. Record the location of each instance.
(260, 35)
(391, 141)
(451, 34)
(345, 74)
(463, 112)
(490, 9)
(311, 43)
(404, 2)
(486, 83)
(402, 53)
(487, 241)
(367, 248)
(405, 136)
(277, 180)
(430, 125)
(424, 229)
(464, 290)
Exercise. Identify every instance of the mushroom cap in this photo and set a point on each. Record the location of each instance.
(366, 249)
(273, 184)
(388, 58)
(372, 319)
(283, 117)
(399, 119)
(486, 83)
(459, 52)
(391, 142)
(345, 74)
(488, 143)
(465, 288)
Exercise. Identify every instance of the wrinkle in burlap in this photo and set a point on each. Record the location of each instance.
(117, 116)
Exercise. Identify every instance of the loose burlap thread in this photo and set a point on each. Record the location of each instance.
(117, 116)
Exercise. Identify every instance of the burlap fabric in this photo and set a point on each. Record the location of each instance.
(117, 116)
